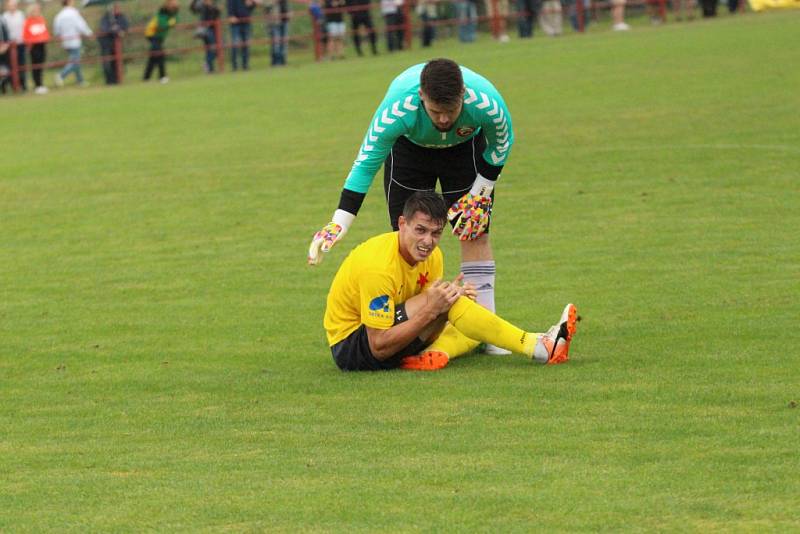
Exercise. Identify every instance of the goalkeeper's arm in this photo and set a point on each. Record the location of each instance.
(349, 204)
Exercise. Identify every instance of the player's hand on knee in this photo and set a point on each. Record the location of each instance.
(442, 295)
(328, 236)
(470, 214)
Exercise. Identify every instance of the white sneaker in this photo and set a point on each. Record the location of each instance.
(553, 346)
(505, 38)
(621, 27)
(59, 80)
(165, 79)
(41, 90)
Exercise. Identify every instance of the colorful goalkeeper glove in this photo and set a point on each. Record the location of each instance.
(332, 232)
(471, 212)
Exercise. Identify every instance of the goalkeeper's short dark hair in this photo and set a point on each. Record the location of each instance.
(429, 203)
(441, 80)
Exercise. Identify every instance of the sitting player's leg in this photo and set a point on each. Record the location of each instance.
(478, 323)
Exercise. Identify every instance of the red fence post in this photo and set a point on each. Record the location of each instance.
(12, 53)
(407, 37)
(317, 36)
(118, 58)
(218, 44)
(495, 19)
(580, 15)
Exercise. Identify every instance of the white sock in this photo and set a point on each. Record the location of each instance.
(481, 275)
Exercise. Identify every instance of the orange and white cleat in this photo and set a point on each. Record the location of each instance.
(553, 346)
(430, 360)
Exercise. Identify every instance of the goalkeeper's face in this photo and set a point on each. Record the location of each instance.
(418, 237)
(442, 115)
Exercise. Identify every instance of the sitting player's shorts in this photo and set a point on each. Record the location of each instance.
(353, 353)
(410, 167)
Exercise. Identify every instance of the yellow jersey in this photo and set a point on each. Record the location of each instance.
(371, 281)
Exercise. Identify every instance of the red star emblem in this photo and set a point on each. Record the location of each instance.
(422, 280)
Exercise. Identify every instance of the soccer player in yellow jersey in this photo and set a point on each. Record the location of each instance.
(388, 306)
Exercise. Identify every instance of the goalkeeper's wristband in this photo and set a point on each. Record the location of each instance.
(482, 186)
(343, 219)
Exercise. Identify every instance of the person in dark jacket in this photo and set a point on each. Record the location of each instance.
(239, 12)
(278, 27)
(361, 17)
(209, 15)
(113, 26)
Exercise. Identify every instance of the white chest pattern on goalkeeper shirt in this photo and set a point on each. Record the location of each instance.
(498, 118)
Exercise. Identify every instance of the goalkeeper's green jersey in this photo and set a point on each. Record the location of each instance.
(401, 113)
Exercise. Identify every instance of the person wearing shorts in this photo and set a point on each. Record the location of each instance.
(335, 27)
(438, 123)
(388, 306)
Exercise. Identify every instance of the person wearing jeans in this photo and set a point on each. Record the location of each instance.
(70, 26)
(239, 12)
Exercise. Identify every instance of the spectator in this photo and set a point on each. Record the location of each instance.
(334, 25)
(498, 10)
(156, 31)
(278, 28)
(239, 12)
(528, 12)
(426, 9)
(318, 17)
(572, 11)
(15, 21)
(467, 17)
(113, 27)
(5, 62)
(70, 26)
(36, 36)
(551, 18)
(360, 17)
(618, 16)
(709, 8)
(392, 11)
(684, 9)
(207, 31)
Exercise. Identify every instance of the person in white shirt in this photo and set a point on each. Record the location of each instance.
(15, 21)
(70, 26)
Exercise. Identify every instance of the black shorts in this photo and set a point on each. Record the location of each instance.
(409, 168)
(353, 353)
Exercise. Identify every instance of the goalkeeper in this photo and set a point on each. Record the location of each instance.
(437, 121)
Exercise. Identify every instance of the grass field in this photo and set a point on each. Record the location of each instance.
(162, 360)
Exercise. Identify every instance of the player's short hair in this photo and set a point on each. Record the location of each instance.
(441, 80)
(428, 203)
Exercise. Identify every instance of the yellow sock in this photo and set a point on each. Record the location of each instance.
(453, 343)
(476, 322)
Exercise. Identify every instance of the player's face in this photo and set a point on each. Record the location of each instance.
(443, 116)
(418, 237)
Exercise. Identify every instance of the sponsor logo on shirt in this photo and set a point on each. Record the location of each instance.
(465, 131)
(379, 307)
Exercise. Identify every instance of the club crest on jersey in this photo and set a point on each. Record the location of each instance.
(422, 281)
(465, 131)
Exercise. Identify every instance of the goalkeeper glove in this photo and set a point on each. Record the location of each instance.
(470, 213)
(329, 235)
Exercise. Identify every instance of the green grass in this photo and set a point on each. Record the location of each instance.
(162, 360)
